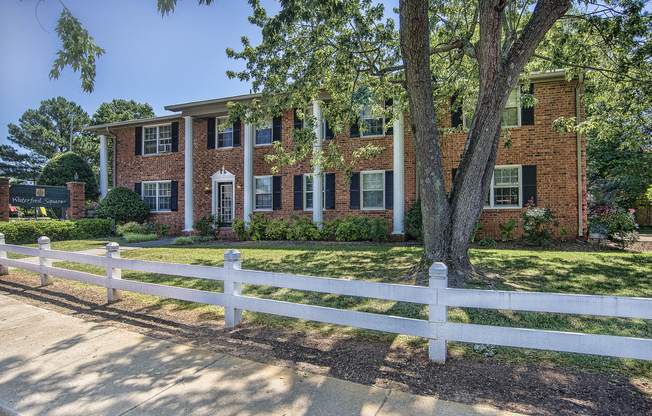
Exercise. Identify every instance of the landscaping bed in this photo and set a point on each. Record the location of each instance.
(518, 380)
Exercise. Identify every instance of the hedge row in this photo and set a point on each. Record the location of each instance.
(28, 232)
(351, 228)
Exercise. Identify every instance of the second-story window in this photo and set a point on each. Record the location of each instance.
(157, 139)
(224, 137)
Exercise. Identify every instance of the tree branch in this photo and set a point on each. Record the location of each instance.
(593, 68)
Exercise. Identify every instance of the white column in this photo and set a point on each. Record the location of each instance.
(104, 166)
(399, 175)
(317, 179)
(248, 180)
(189, 178)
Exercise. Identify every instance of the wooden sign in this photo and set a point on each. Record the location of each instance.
(39, 196)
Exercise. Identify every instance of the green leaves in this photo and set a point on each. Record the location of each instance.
(78, 50)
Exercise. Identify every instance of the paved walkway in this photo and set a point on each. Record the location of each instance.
(54, 364)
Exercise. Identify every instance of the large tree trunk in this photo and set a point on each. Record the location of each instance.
(449, 221)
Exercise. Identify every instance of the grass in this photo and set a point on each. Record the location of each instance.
(73, 245)
(597, 273)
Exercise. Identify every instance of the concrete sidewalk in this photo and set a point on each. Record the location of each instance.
(54, 364)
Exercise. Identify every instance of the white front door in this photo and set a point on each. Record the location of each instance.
(225, 201)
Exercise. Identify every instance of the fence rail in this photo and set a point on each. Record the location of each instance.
(437, 296)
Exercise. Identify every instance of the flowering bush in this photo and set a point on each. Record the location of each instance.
(90, 205)
(617, 224)
(536, 222)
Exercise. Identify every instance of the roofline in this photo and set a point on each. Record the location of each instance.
(138, 122)
(210, 103)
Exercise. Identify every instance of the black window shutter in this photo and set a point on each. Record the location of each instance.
(527, 114)
(355, 130)
(298, 192)
(276, 129)
(138, 188)
(457, 118)
(139, 141)
(298, 123)
(389, 189)
(237, 126)
(355, 190)
(329, 131)
(330, 191)
(210, 133)
(390, 129)
(529, 184)
(175, 136)
(174, 196)
(276, 193)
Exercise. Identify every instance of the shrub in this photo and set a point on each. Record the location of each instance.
(258, 227)
(506, 230)
(180, 241)
(238, 227)
(488, 242)
(139, 238)
(617, 224)
(329, 228)
(303, 229)
(354, 229)
(208, 225)
(91, 228)
(278, 229)
(129, 227)
(413, 223)
(193, 239)
(536, 222)
(379, 229)
(28, 232)
(61, 169)
(122, 204)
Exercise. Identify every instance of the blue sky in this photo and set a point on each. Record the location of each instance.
(151, 59)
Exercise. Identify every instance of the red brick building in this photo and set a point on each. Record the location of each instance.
(184, 168)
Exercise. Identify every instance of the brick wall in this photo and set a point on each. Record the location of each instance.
(77, 200)
(4, 199)
(552, 153)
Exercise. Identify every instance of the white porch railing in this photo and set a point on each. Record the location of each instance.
(437, 296)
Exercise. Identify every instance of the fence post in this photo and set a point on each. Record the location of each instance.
(232, 316)
(113, 252)
(438, 311)
(44, 244)
(4, 269)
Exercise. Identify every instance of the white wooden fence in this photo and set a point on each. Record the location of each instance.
(437, 296)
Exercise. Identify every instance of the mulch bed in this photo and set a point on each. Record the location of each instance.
(516, 387)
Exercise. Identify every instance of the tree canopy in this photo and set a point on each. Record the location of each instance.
(43, 133)
(63, 168)
(121, 110)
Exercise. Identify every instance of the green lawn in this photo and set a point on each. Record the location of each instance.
(599, 273)
(73, 245)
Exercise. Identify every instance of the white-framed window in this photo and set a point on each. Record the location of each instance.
(373, 189)
(157, 195)
(224, 137)
(263, 194)
(512, 111)
(374, 125)
(506, 187)
(264, 133)
(157, 139)
(308, 191)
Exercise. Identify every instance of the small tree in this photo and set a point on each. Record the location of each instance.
(122, 204)
(61, 169)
